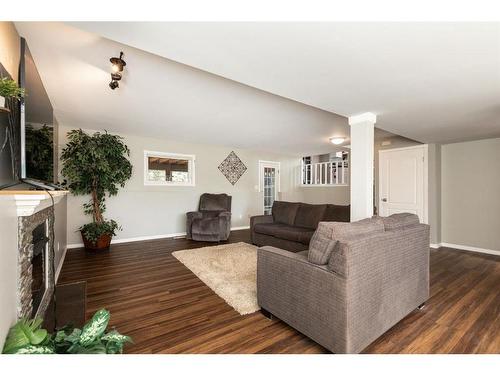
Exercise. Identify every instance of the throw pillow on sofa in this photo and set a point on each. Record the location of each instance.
(320, 248)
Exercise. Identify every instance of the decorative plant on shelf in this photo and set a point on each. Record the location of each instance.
(9, 89)
(26, 337)
(97, 165)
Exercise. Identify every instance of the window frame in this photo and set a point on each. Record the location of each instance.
(191, 168)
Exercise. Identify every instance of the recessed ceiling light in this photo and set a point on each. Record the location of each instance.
(337, 140)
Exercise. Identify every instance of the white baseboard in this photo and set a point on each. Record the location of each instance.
(241, 228)
(468, 248)
(146, 238)
(435, 245)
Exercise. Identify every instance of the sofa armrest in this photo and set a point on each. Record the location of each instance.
(308, 297)
(259, 219)
(387, 276)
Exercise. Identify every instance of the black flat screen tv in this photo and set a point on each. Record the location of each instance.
(28, 135)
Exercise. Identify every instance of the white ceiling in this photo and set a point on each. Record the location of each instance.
(433, 82)
(162, 98)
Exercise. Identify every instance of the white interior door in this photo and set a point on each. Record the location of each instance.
(403, 181)
(269, 173)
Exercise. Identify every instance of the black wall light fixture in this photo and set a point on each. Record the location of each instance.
(116, 70)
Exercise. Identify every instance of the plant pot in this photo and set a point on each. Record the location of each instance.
(101, 244)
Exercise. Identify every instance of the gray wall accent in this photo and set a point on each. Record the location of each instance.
(470, 199)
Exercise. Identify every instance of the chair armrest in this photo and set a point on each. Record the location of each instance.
(225, 214)
(194, 215)
(190, 217)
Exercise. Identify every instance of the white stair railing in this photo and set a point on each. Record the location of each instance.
(325, 174)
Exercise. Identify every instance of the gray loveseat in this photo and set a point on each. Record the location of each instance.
(377, 273)
(212, 222)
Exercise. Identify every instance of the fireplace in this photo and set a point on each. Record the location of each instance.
(38, 265)
(35, 263)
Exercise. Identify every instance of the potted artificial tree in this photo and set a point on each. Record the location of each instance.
(9, 89)
(97, 165)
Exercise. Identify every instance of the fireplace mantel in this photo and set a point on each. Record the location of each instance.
(29, 202)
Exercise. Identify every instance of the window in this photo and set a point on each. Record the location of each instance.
(161, 168)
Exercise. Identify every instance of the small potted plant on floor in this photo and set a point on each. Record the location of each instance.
(9, 89)
(96, 165)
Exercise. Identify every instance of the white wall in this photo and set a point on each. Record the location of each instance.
(8, 267)
(145, 211)
(317, 195)
(470, 194)
(161, 210)
(10, 48)
(9, 57)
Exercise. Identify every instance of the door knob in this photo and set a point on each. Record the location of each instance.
(384, 199)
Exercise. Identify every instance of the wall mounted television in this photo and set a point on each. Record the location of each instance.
(29, 132)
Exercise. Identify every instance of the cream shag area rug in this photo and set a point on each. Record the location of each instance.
(229, 270)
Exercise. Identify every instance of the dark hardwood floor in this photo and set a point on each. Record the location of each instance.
(167, 309)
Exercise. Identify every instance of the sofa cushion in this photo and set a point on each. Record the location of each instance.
(285, 232)
(400, 221)
(285, 212)
(335, 212)
(320, 248)
(309, 215)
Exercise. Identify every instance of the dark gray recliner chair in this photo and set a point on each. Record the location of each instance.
(212, 221)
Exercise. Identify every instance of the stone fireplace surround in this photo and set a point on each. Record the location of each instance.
(15, 204)
(26, 225)
(28, 209)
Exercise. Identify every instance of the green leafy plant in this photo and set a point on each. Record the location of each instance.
(97, 165)
(25, 337)
(25, 334)
(10, 89)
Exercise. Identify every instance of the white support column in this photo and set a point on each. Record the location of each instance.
(361, 160)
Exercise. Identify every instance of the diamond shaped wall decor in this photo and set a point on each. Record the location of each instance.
(232, 168)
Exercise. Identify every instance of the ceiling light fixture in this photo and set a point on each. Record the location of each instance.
(116, 70)
(337, 140)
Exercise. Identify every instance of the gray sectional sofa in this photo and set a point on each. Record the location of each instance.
(292, 224)
(376, 272)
